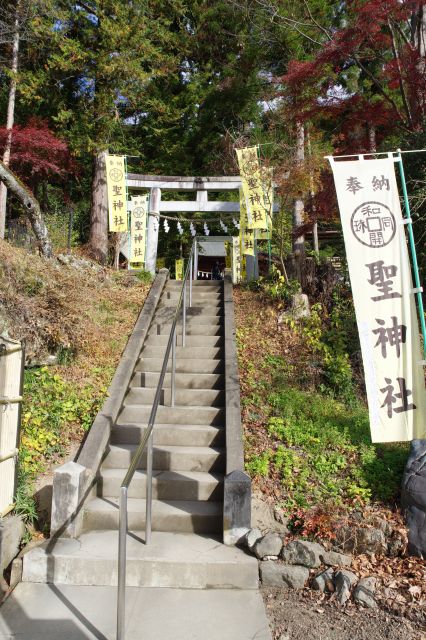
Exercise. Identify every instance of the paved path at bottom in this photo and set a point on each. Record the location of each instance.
(67, 612)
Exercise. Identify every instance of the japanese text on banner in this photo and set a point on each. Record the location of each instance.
(116, 187)
(236, 260)
(246, 234)
(382, 289)
(179, 269)
(253, 189)
(139, 206)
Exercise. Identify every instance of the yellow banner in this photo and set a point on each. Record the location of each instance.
(248, 242)
(139, 207)
(243, 268)
(244, 221)
(179, 269)
(268, 189)
(116, 188)
(252, 185)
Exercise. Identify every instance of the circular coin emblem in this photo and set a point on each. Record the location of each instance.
(116, 174)
(373, 224)
(137, 212)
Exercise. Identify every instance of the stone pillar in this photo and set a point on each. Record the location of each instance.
(250, 268)
(414, 498)
(196, 261)
(67, 500)
(153, 230)
(236, 507)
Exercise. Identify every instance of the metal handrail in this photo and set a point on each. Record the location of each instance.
(147, 441)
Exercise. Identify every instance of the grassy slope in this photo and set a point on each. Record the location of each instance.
(307, 450)
(84, 315)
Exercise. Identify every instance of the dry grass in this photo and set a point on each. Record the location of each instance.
(86, 312)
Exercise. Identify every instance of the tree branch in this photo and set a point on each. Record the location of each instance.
(316, 23)
(402, 34)
(87, 7)
(31, 206)
(378, 86)
(400, 82)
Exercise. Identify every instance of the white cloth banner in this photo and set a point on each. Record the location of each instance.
(382, 288)
(236, 260)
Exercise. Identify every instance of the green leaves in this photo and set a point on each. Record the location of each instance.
(53, 409)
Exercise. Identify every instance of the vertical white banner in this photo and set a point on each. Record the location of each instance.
(236, 260)
(379, 269)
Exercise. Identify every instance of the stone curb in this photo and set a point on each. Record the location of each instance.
(237, 485)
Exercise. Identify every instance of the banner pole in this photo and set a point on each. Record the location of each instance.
(129, 240)
(413, 252)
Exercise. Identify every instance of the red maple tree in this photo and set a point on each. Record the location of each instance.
(37, 154)
(379, 47)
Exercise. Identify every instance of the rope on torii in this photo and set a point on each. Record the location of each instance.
(197, 220)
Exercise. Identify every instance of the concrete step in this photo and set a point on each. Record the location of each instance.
(192, 329)
(183, 397)
(140, 413)
(166, 485)
(183, 516)
(197, 295)
(183, 365)
(168, 458)
(191, 435)
(86, 612)
(182, 380)
(155, 340)
(166, 316)
(184, 352)
(170, 560)
(206, 284)
(166, 310)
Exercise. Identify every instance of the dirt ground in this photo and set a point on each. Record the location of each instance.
(304, 616)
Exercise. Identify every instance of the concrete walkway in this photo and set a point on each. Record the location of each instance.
(67, 612)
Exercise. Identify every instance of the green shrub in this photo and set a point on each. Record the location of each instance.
(143, 276)
(323, 451)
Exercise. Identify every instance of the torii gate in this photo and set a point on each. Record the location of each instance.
(201, 186)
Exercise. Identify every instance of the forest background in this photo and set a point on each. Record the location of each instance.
(180, 84)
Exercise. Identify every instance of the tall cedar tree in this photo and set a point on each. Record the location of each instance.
(98, 59)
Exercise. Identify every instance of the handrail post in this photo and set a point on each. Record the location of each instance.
(173, 371)
(191, 269)
(148, 518)
(184, 314)
(122, 535)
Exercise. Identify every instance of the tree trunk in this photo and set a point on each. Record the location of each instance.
(418, 40)
(298, 211)
(10, 117)
(312, 195)
(98, 238)
(371, 132)
(299, 241)
(32, 208)
(418, 29)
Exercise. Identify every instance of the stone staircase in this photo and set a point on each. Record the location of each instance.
(189, 468)
(189, 455)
